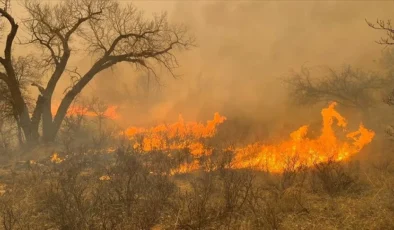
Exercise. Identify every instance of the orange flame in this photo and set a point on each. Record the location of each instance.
(179, 135)
(297, 151)
(300, 150)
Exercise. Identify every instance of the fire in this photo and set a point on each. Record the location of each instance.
(55, 158)
(298, 150)
(302, 151)
(179, 135)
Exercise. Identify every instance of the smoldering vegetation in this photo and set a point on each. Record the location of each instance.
(269, 68)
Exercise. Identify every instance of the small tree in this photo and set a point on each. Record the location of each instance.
(109, 32)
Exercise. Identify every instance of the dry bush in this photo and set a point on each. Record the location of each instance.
(74, 132)
(86, 193)
(293, 174)
(333, 177)
(226, 199)
(198, 206)
(157, 162)
(90, 127)
(381, 177)
(137, 197)
(235, 188)
(218, 160)
(78, 132)
(18, 203)
(265, 211)
(130, 190)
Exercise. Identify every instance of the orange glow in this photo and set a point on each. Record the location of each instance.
(55, 158)
(110, 112)
(300, 150)
(186, 167)
(179, 135)
(297, 151)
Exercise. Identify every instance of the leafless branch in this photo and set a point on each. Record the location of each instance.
(350, 87)
(385, 26)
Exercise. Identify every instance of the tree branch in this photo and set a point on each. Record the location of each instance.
(349, 87)
(386, 26)
(11, 35)
(125, 36)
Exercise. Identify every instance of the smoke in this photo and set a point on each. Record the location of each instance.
(244, 48)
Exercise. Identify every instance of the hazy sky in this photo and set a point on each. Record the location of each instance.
(244, 47)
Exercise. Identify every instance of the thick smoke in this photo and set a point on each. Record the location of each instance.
(244, 49)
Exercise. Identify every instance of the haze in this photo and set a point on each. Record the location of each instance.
(244, 48)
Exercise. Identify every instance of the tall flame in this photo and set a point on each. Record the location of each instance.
(297, 151)
(300, 150)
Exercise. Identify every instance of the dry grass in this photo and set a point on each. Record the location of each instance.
(70, 195)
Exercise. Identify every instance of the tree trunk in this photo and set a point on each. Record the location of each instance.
(23, 118)
(61, 113)
(36, 117)
(53, 127)
(47, 122)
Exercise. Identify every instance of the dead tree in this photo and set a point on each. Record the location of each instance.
(109, 32)
(350, 87)
(388, 40)
(387, 28)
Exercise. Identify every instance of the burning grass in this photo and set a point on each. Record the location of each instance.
(174, 177)
(297, 151)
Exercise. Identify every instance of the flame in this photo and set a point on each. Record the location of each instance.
(105, 177)
(186, 167)
(302, 151)
(179, 135)
(56, 159)
(297, 151)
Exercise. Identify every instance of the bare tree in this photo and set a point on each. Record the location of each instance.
(350, 87)
(26, 74)
(109, 32)
(386, 27)
(388, 40)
